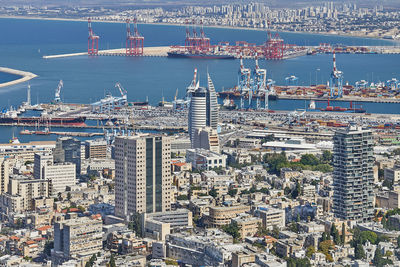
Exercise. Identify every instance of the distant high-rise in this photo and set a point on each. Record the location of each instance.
(142, 174)
(353, 175)
(203, 109)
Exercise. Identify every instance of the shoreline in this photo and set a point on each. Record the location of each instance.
(25, 76)
(206, 26)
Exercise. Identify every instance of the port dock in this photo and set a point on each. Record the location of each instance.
(157, 51)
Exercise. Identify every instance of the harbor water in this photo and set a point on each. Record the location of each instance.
(87, 79)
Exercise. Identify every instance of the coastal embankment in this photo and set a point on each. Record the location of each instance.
(25, 76)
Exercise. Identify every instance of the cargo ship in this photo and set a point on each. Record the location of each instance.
(235, 94)
(178, 54)
(78, 121)
(352, 109)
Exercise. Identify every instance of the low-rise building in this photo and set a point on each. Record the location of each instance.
(204, 159)
(248, 224)
(219, 216)
(271, 217)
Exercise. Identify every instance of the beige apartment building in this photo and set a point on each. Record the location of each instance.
(77, 238)
(219, 216)
(142, 174)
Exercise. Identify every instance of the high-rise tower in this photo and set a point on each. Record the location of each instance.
(142, 174)
(203, 110)
(353, 176)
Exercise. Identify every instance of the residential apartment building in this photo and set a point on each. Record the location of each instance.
(219, 216)
(60, 175)
(142, 174)
(271, 217)
(353, 175)
(77, 238)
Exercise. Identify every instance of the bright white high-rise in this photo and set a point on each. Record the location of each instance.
(203, 110)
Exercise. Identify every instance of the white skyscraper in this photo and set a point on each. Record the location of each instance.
(203, 110)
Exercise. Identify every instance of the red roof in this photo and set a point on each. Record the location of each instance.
(14, 237)
(44, 228)
(96, 216)
(30, 242)
(179, 164)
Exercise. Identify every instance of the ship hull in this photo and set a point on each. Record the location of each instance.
(236, 95)
(199, 56)
(79, 121)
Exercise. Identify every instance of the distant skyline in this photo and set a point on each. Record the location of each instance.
(177, 3)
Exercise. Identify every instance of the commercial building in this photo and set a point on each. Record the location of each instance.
(203, 110)
(77, 238)
(71, 150)
(205, 159)
(142, 174)
(60, 175)
(96, 149)
(353, 175)
(206, 138)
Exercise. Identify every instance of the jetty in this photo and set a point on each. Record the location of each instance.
(25, 76)
(157, 51)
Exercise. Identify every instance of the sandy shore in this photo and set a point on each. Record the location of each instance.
(25, 76)
(205, 26)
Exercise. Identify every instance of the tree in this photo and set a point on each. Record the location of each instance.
(309, 159)
(398, 241)
(310, 251)
(213, 193)
(69, 196)
(294, 262)
(59, 195)
(136, 224)
(343, 237)
(378, 258)
(182, 197)
(327, 156)
(232, 229)
(359, 252)
(111, 263)
(232, 192)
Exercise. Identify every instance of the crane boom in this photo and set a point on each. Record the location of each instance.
(57, 93)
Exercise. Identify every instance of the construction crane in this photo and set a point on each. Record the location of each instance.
(57, 98)
(121, 90)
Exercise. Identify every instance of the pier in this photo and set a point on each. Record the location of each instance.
(25, 76)
(156, 51)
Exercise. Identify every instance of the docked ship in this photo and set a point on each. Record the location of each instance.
(235, 94)
(200, 55)
(351, 109)
(78, 121)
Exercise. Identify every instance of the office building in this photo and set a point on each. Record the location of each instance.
(142, 174)
(203, 110)
(353, 175)
(60, 175)
(96, 149)
(77, 238)
(71, 150)
(206, 138)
